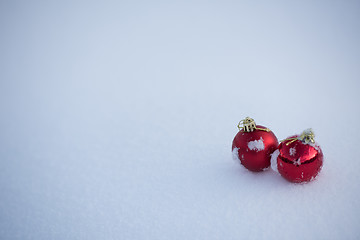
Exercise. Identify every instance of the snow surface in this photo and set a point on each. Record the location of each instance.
(257, 145)
(117, 118)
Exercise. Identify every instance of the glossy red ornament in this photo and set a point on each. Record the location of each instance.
(254, 148)
(299, 159)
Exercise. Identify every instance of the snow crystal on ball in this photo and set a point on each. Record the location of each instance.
(274, 157)
(297, 162)
(256, 145)
(292, 151)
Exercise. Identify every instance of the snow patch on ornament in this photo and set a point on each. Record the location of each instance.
(257, 145)
(297, 162)
(235, 155)
(273, 160)
(292, 151)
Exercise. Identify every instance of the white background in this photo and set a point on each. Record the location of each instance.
(117, 118)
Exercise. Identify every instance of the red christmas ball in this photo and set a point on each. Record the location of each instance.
(300, 158)
(253, 145)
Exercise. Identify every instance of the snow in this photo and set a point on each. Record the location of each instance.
(117, 118)
(256, 145)
(292, 151)
(235, 155)
(273, 160)
(308, 131)
(297, 162)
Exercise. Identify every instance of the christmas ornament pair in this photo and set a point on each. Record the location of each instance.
(297, 158)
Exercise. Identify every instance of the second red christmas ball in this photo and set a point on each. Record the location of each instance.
(299, 158)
